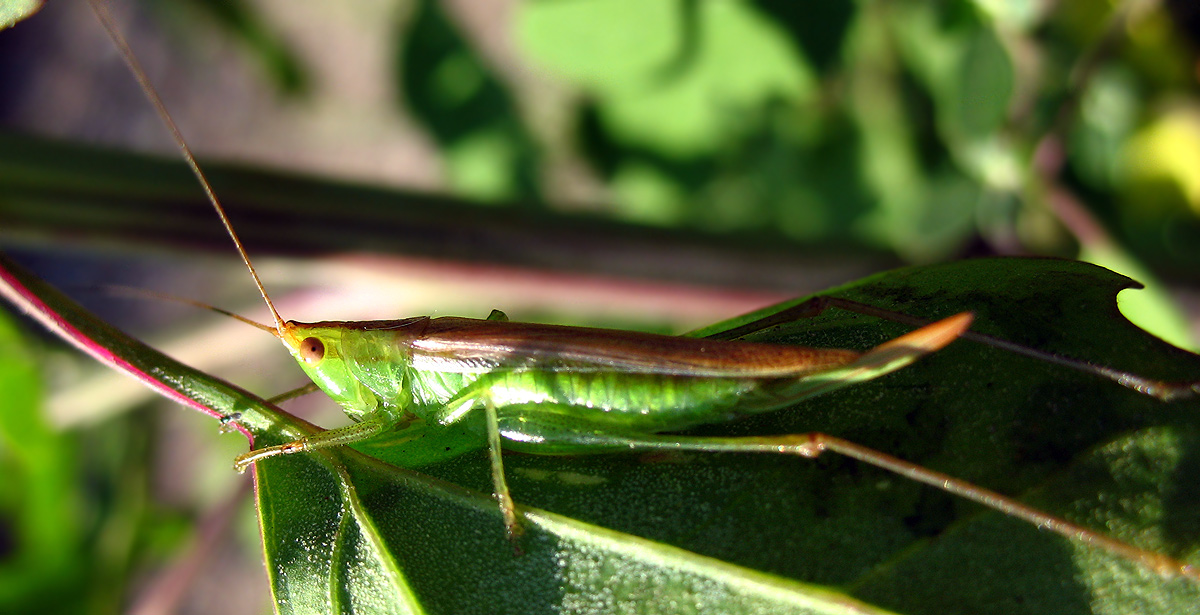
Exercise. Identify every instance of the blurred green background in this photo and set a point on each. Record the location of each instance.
(837, 137)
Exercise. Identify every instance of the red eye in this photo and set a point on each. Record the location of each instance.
(312, 350)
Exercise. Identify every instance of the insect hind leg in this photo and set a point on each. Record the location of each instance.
(811, 445)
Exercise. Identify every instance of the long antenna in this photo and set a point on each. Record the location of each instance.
(131, 61)
(141, 293)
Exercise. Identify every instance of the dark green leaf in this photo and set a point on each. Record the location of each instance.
(984, 84)
(343, 532)
(465, 107)
(743, 533)
(1014, 424)
(1008, 422)
(282, 64)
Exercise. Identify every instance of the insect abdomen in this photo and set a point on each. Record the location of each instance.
(641, 402)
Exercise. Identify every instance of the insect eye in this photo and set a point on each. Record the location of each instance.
(312, 350)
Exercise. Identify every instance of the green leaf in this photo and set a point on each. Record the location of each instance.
(604, 45)
(12, 11)
(354, 534)
(281, 63)
(1008, 422)
(343, 532)
(465, 107)
(963, 62)
(1088, 449)
(682, 78)
(751, 533)
(984, 85)
(38, 511)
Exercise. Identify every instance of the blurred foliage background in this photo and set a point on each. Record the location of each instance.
(878, 132)
(896, 131)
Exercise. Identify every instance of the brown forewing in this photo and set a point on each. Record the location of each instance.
(465, 344)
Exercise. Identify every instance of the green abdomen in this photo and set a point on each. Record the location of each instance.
(641, 402)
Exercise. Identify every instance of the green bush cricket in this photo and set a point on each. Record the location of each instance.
(561, 390)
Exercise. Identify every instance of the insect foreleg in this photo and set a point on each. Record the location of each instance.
(324, 439)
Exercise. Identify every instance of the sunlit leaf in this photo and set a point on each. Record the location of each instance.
(13, 11)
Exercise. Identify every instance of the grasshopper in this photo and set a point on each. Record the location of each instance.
(557, 390)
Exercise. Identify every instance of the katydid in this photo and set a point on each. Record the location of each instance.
(546, 389)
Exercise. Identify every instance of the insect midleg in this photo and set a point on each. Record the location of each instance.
(499, 483)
